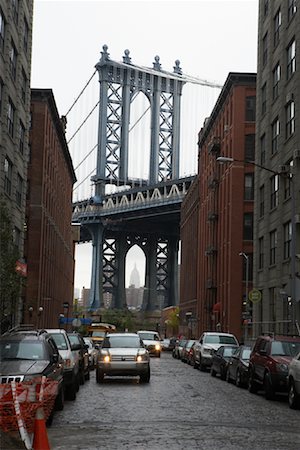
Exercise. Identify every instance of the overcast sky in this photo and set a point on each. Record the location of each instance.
(210, 38)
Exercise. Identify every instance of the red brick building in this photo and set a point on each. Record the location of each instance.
(49, 244)
(217, 215)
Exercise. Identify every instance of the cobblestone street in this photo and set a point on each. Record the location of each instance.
(181, 408)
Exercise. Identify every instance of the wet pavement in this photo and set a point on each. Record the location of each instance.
(181, 408)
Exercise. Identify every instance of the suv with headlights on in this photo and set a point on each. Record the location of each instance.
(26, 353)
(123, 354)
(269, 363)
(208, 344)
(151, 341)
(71, 362)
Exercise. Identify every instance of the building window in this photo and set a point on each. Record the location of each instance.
(272, 305)
(264, 99)
(7, 175)
(1, 94)
(262, 201)
(275, 135)
(276, 79)
(249, 186)
(273, 246)
(288, 182)
(277, 25)
(292, 8)
(248, 226)
(291, 59)
(266, 8)
(290, 119)
(250, 147)
(17, 237)
(2, 30)
(287, 239)
(261, 254)
(22, 137)
(13, 60)
(23, 86)
(15, 10)
(11, 111)
(19, 190)
(265, 50)
(26, 35)
(263, 149)
(250, 109)
(274, 188)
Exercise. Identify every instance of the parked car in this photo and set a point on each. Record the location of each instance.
(269, 363)
(238, 364)
(294, 382)
(123, 354)
(92, 351)
(81, 348)
(177, 352)
(185, 354)
(168, 344)
(220, 360)
(208, 344)
(26, 354)
(71, 362)
(151, 341)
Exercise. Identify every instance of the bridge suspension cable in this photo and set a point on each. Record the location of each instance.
(80, 94)
(84, 121)
(86, 156)
(79, 184)
(195, 80)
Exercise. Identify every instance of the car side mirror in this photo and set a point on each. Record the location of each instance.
(55, 357)
(86, 346)
(75, 347)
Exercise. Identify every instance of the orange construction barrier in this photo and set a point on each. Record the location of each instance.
(40, 437)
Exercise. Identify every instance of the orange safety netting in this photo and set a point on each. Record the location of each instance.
(29, 399)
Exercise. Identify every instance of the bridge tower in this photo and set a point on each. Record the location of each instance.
(120, 82)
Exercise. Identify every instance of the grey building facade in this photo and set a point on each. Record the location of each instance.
(15, 68)
(277, 181)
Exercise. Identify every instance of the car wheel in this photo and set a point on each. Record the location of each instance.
(201, 366)
(99, 376)
(223, 373)
(81, 377)
(213, 372)
(238, 380)
(252, 385)
(228, 379)
(196, 364)
(87, 375)
(269, 391)
(294, 398)
(60, 399)
(71, 392)
(145, 377)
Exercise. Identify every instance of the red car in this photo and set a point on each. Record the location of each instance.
(269, 363)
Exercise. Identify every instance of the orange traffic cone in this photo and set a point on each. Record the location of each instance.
(40, 439)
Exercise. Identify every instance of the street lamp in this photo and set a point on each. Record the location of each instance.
(246, 257)
(289, 175)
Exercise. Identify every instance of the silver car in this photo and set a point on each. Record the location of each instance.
(294, 382)
(123, 354)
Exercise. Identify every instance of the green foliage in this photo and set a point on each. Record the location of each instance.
(9, 278)
(174, 318)
(122, 319)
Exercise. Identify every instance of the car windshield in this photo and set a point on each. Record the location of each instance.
(121, 342)
(150, 336)
(282, 348)
(60, 341)
(98, 333)
(228, 351)
(219, 339)
(189, 344)
(30, 350)
(246, 353)
(74, 339)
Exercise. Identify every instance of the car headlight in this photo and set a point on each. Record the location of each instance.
(142, 357)
(106, 358)
(281, 367)
(209, 351)
(157, 347)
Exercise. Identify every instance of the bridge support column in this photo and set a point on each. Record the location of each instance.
(173, 299)
(119, 300)
(150, 293)
(96, 295)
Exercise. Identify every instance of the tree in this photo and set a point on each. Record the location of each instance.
(9, 279)
(174, 319)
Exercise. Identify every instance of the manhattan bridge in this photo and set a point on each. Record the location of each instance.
(126, 150)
